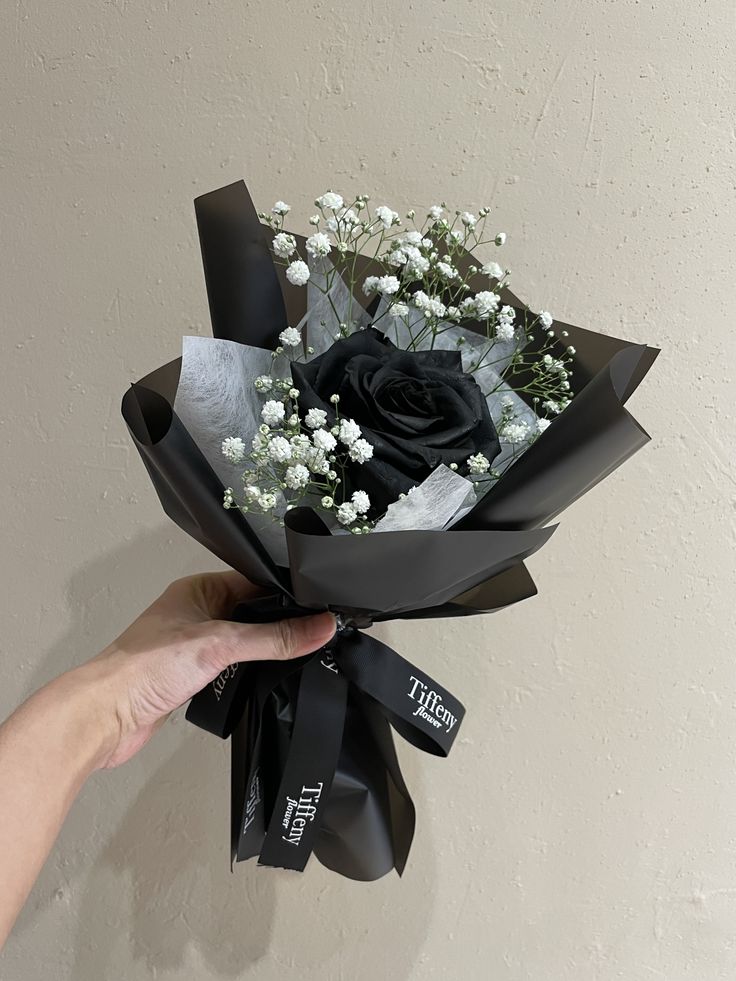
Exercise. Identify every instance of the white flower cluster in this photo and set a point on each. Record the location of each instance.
(417, 271)
(356, 507)
(505, 329)
(446, 270)
(423, 273)
(233, 449)
(483, 305)
(412, 253)
(273, 413)
(397, 310)
(492, 270)
(330, 201)
(515, 432)
(387, 217)
(284, 245)
(388, 285)
(297, 272)
(478, 464)
(349, 433)
(290, 337)
(319, 244)
(430, 306)
(297, 457)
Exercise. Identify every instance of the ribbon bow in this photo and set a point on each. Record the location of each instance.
(341, 701)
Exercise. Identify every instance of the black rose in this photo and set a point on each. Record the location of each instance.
(418, 409)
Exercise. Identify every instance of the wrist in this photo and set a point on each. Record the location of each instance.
(82, 702)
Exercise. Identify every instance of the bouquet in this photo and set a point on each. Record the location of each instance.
(379, 428)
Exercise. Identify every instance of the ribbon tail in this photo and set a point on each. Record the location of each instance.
(419, 708)
(369, 823)
(249, 784)
(310, 767)
(246, 793)
(401, 807)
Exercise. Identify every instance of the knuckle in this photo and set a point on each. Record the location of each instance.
(177, 589)
(180, 584)
(210, 658)
(284, 639)
(214, 646)
(209, 590)
(191, 634)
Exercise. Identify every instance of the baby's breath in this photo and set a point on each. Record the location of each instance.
(421, 266)
(295, 460)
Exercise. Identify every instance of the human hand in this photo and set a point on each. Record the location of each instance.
(100, 714)
(173, 650)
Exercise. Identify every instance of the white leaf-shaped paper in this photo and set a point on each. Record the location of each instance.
(437, 503)
(217, 398)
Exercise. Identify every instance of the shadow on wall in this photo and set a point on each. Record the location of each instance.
(171, 853)
(159, 885)
(160, 882)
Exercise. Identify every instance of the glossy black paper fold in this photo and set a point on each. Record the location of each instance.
(369, 821)
(475, 567)
(189, 491)
(427, 568)
(589, 440)
(243, 288)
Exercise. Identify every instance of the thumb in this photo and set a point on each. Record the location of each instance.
(279, 641)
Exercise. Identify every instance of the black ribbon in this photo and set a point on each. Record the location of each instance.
(310, 766)
(279, 816)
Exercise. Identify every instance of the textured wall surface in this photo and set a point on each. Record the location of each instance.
(583, 829)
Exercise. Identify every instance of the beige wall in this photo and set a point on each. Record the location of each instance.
(584, 827)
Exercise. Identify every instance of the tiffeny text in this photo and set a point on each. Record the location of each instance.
(431, 707)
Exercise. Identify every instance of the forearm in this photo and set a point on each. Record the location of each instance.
(48, 748)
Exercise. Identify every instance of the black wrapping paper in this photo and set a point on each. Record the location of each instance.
(314, 767)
